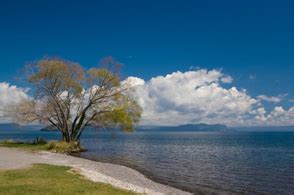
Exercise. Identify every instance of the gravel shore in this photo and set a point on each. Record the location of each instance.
(116, 175)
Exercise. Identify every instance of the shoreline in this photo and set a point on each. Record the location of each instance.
(147, 174)
(116, 175)
(203, 190)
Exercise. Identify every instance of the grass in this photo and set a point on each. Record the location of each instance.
(40, 144)
(23, 145)
(49, 179)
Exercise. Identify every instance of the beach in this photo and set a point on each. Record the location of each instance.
(116, 175)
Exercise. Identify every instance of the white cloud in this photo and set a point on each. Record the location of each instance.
(192, 97)
(197, 96)
(278, 111)
(9, 95)
(272, 99)
(133, 81)
(277, 117)
(260, 114)
(227, 79)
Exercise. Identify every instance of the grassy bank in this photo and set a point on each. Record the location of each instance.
(40, 144)
(48, 179)
(21, 145)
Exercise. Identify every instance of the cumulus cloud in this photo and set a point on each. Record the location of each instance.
(260, 114)
(191, 97)
(198, 96)
(133, 81)
(9, 95)
(278, 116)
(272, 99)
(227, 79)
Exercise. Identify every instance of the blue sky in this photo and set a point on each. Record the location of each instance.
(252, 41)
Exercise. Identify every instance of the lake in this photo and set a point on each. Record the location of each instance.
(200, 162)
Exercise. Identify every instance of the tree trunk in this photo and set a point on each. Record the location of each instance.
(65, 137)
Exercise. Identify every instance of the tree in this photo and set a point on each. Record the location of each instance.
(70, 98)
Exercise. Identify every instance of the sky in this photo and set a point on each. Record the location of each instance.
(191, 61)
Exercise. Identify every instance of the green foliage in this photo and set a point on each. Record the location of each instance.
(104, 77)
(125, 115)
(11, 141)
(58, 75)
(23, 145)
(64, 147)
(41, 144)
(40, 141)
(69, 98)
(48, 179)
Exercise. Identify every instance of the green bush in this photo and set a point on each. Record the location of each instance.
(41, 144)
(64, 147)
(11, 141)
(40, 141)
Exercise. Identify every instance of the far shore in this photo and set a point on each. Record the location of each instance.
(116, 175)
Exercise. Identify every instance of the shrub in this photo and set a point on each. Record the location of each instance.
(39, 141)
(8, 141)
(12, 141)
(65, 147)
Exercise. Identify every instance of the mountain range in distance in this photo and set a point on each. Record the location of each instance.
(14, 126)
(187, 127)
(216, 128)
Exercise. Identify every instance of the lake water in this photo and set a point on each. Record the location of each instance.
(200, 162)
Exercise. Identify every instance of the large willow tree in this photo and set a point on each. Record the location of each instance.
(70, 98)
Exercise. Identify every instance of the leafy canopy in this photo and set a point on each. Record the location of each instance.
(71, 98)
